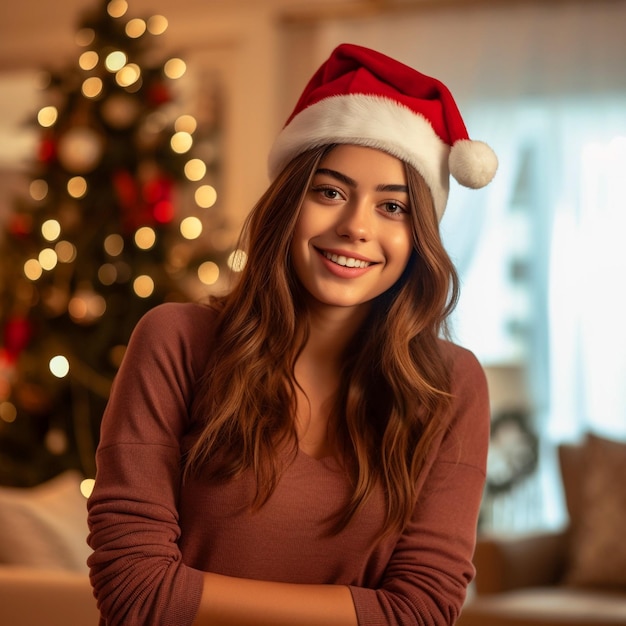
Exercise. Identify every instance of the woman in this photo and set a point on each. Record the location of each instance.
(307, 450)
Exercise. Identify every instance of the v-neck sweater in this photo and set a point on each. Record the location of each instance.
(153, 533)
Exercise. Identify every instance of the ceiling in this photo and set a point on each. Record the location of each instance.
(31, 29)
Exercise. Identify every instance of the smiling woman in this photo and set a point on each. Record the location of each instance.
(353, 239)
(307, 449)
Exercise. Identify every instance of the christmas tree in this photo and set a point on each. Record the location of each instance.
(121, 189)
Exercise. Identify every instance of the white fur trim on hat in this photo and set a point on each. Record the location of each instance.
(368, 121)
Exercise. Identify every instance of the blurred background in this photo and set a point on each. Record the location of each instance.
(124, 180)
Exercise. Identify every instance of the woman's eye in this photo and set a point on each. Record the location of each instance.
(328, 193)
(394, 208)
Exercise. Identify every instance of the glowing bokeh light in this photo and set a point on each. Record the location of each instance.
(181, 142)
(135, 28)
(86, 487)
(88, 60)
(8, 412)
(115, 61)
(191, 227)
(47, 116)
(175, 68)
(186, 123)
(32, 269)
(195, 169)
(51, 229)
(143, 286)
(208, 272)
(114, 244)
(145, 238)
(117, 8)
(66, 251)
(128, 75)
(38, 189)
(77, 187)
(205, 196)
(92, 87)
(157, 24)
(237, 260)
(59, 366)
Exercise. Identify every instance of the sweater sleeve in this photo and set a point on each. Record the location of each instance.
(427, 576)
(136, 567)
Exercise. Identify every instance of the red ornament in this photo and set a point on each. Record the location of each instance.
(47, 150)
(17, 334)
(157, 193)
(135, 211)
(159, 94)
(20, 225)
(163, 211)
(126, 189)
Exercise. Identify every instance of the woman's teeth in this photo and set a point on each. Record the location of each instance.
(345, 261)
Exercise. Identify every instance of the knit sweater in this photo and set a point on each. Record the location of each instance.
(153, 534)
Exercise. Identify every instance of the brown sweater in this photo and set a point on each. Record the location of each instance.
(152, 537)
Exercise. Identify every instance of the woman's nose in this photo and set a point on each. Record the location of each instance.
(355, 221)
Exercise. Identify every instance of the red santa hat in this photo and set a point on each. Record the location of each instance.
(360, 96)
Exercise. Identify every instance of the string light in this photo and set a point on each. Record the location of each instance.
(107, 274)
(86, 306)
(117, 8)
(208, 272)
(205, 196)
(86, 487)
(59, 366)
(114, 244)
(191, 227)
(145, 238)
(38, 189)
(47, 116)
(66, 251)
(88, 60)
(92, 87)
(157, 25)
(237, 260)
(128, 75)
(33, 269)
(175, 68)
(135, 28)
(51, 229)
(115, 61)
(143, 286)
(77, 187)
(48, 259)
(195, 169)
(181, 142)
(186, 123)
(8, 412)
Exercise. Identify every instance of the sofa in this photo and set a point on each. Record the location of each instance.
(572, 577)
(43, 573)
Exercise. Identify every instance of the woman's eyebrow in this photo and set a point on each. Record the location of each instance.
(352, 183)
(338, 176)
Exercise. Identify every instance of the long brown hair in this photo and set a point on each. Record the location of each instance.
(395, 384)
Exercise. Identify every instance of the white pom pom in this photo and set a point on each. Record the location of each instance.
(472, 163)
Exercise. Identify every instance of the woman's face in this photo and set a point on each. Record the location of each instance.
(352, 239)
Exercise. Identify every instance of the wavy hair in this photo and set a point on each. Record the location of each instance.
(395, 384)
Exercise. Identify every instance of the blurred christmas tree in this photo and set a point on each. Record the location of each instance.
(101, 239)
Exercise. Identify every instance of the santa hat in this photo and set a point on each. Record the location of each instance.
(360, 96)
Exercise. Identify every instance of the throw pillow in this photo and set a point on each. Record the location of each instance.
(598, 549)
(45, 526)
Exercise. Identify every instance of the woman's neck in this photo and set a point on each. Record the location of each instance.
(330, 331)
